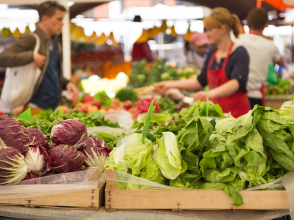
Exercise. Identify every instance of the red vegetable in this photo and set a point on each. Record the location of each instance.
(66, 158)
(14, 134)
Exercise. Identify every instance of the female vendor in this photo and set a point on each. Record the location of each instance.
(225, 70)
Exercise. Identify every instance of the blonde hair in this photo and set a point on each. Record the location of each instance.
(222, 16)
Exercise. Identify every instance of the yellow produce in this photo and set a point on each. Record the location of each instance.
(101, 40)
(92, 38)
(154, 32)
(144, 37)
(163, 27)
(27, 30)
(111, 37)
(16, 34)
(173, 31)
(188, 35)
(6, 32)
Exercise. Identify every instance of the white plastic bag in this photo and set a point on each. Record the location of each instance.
(123, 118)
(20, 83)
(93, 131)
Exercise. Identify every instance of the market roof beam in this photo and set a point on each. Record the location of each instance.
(75, 9)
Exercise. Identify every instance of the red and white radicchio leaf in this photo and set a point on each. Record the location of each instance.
(31, 175)
(38, 160)
(94, 157)
(14, 134)
(97, 142)
(71, 132)
(66, 158)
(13, 168)
(37, 138)
(2, 144)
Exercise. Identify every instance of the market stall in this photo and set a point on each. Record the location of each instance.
(122, 146)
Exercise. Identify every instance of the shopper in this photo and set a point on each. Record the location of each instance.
(141, 51)
(198, 48)
(48, 59)
(225, 69)
(262, 52)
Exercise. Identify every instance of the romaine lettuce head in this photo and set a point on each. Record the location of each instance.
(70, 132)
(14, 134)
(136, 153)
(225, 126)
(167, 156)
(116, 159)
(195, 135)
(66, 158)
(13, 168)
(152, 172)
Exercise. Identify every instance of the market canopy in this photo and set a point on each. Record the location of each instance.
(239, 7)
(281, 5)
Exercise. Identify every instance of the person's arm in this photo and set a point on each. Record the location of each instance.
(19, 53)
(227, 89)
(64, 83)
(277, 57)
(189, 84)
(281, 61)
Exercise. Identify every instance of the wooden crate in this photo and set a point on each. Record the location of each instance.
(178, 200)
(82, 199)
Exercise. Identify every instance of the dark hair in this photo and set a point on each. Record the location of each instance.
(257, 18)
(48, 8)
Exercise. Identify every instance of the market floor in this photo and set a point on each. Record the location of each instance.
(18, 212)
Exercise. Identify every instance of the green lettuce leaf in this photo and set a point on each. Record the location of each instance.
(136, 153)
(167, 156)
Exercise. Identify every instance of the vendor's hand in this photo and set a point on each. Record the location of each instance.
(161, 87)
(39, 60)
(202, 95)
(71, 88)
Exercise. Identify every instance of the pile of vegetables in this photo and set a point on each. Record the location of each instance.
(192, 151)
(47, 119)
(283, 87)
(158, 71)
(28, 153)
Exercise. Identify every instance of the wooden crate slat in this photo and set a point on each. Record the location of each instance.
(189, 199)
(88, 198)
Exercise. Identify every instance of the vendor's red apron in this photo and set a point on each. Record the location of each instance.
(238, 103)
(261, 90)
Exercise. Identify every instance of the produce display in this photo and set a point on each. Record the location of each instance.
(158, 71)
(27, 153)
(101, 54)
(284, 87)
(47, 119)
(199, 148)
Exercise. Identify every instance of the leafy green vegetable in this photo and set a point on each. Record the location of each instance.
(26, 115)
(152, 172)
(147, 120)
(116, 159)
(136, 153)
(167, 156)
(167, 105)
(47, 119)
(275, 131)
(127, 94)
(195, 134)
(103, 98)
